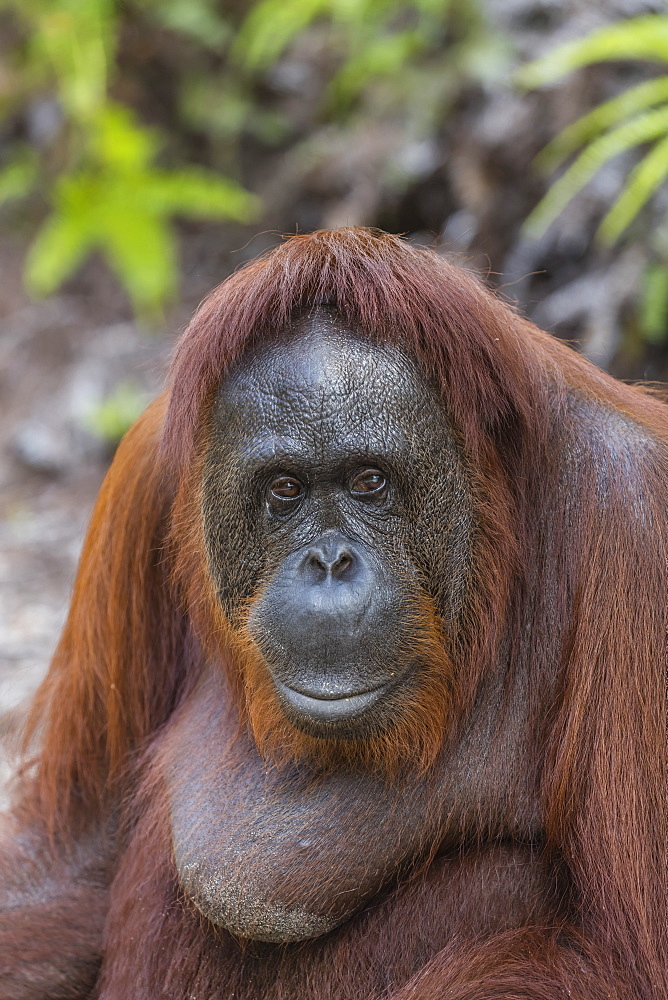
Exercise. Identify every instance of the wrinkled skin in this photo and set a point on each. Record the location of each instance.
(333, 572)
(261, 852)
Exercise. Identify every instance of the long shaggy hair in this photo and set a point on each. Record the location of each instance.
(569, 581)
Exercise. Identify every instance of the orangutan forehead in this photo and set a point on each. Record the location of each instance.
(322, 375)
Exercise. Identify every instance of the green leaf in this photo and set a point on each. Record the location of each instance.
(643, 181)
(141, 250)
(643, 128)
(117, 140)
(383, 57)
(75, 38)
(654, 305)
(56, 252)
(196, 19)
(603, 117)
(638, 38)
(270, 27)
(19, 177)
(200, 193)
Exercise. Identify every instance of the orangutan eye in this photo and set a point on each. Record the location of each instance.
(370, 483)
(285, 489)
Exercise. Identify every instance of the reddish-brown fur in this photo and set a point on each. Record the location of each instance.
(569, 590)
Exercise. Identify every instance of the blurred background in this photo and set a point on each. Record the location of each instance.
(150, 147)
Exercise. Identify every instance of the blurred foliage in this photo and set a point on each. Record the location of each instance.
(199, 20)
(634, 118)
(120, 202)
(117, 412)
(654, 294)
(107, 192)
(115, 184)
(406, 60)
(638, 117)
(376, 39)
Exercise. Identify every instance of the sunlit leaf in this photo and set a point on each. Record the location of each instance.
(201, 194)
(654, 305)
(384, 57)
(56, 252)
(643, 128)
(141, 250)
(271, 26)
(643, 181)
(18, 178)
(603, 117)
(116, 140)
(122, 206)
(638, 38)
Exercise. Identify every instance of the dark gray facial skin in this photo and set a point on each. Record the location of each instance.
(331, 462)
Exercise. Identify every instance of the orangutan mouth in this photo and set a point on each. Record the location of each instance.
(329, 706)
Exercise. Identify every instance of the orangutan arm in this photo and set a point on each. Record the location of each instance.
(52, 910)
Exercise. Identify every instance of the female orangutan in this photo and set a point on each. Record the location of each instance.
(362, 693)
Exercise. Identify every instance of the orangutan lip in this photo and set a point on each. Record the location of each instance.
(330, 707)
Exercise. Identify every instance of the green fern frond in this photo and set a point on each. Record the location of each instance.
(654, 304)
(121, 205)
(199, 193)
(270, 27)
(643, 95)
(643, 181)
(643, 128)
(638, 38)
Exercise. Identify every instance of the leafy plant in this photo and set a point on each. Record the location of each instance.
(654, 303)
(375, 39)
(119, 202)
(196, 19)
(637, 117)
(273, 24)
(111, 194)
(103, 172)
